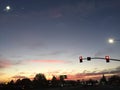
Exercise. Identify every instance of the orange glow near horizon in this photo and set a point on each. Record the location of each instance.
(5, 79)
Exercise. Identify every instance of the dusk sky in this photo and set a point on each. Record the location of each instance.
(48, 36)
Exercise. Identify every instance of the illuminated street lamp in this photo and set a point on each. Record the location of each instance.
(111, 40)
(7, 8)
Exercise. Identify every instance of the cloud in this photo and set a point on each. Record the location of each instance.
(47, 61)
(5, 63)
(18, 77)
(1, 73)
(116, 70)
(53, 53)
(105, 71)
(22, 73)
(83, 75)
(95, 74)
(58, 71)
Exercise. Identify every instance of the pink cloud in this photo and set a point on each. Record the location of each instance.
(4, 63)
(2, 73)
(48, 61)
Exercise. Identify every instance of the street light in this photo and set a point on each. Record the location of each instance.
(111, 40)
(8, 8)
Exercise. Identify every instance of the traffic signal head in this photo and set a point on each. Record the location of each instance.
(107, 58)
(88, 58)
(81, 59)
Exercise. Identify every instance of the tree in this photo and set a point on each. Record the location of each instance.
(54, 81)
(26, 83)
(114, 80)
(11, 82)
(40, 77)
(91, 82)
(40, 80)
(103, 80)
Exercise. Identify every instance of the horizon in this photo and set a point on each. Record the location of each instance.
(69, 77)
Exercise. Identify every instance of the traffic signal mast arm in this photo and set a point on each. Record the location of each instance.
(107, 58)
(104, 58)
(93, 58)
(115, 59)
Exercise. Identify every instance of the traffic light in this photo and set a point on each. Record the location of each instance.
(81, 59)
(88, 58)
(107, 58)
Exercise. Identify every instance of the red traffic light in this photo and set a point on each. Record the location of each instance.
(81, 59)
(107, 58)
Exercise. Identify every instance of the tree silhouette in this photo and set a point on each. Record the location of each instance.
(10, 85)
(91, 82)
(114, 80)
(40, 80)
(103, 80)
(54, 81)
(62, 81)
(11, 82)
(26, 83)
